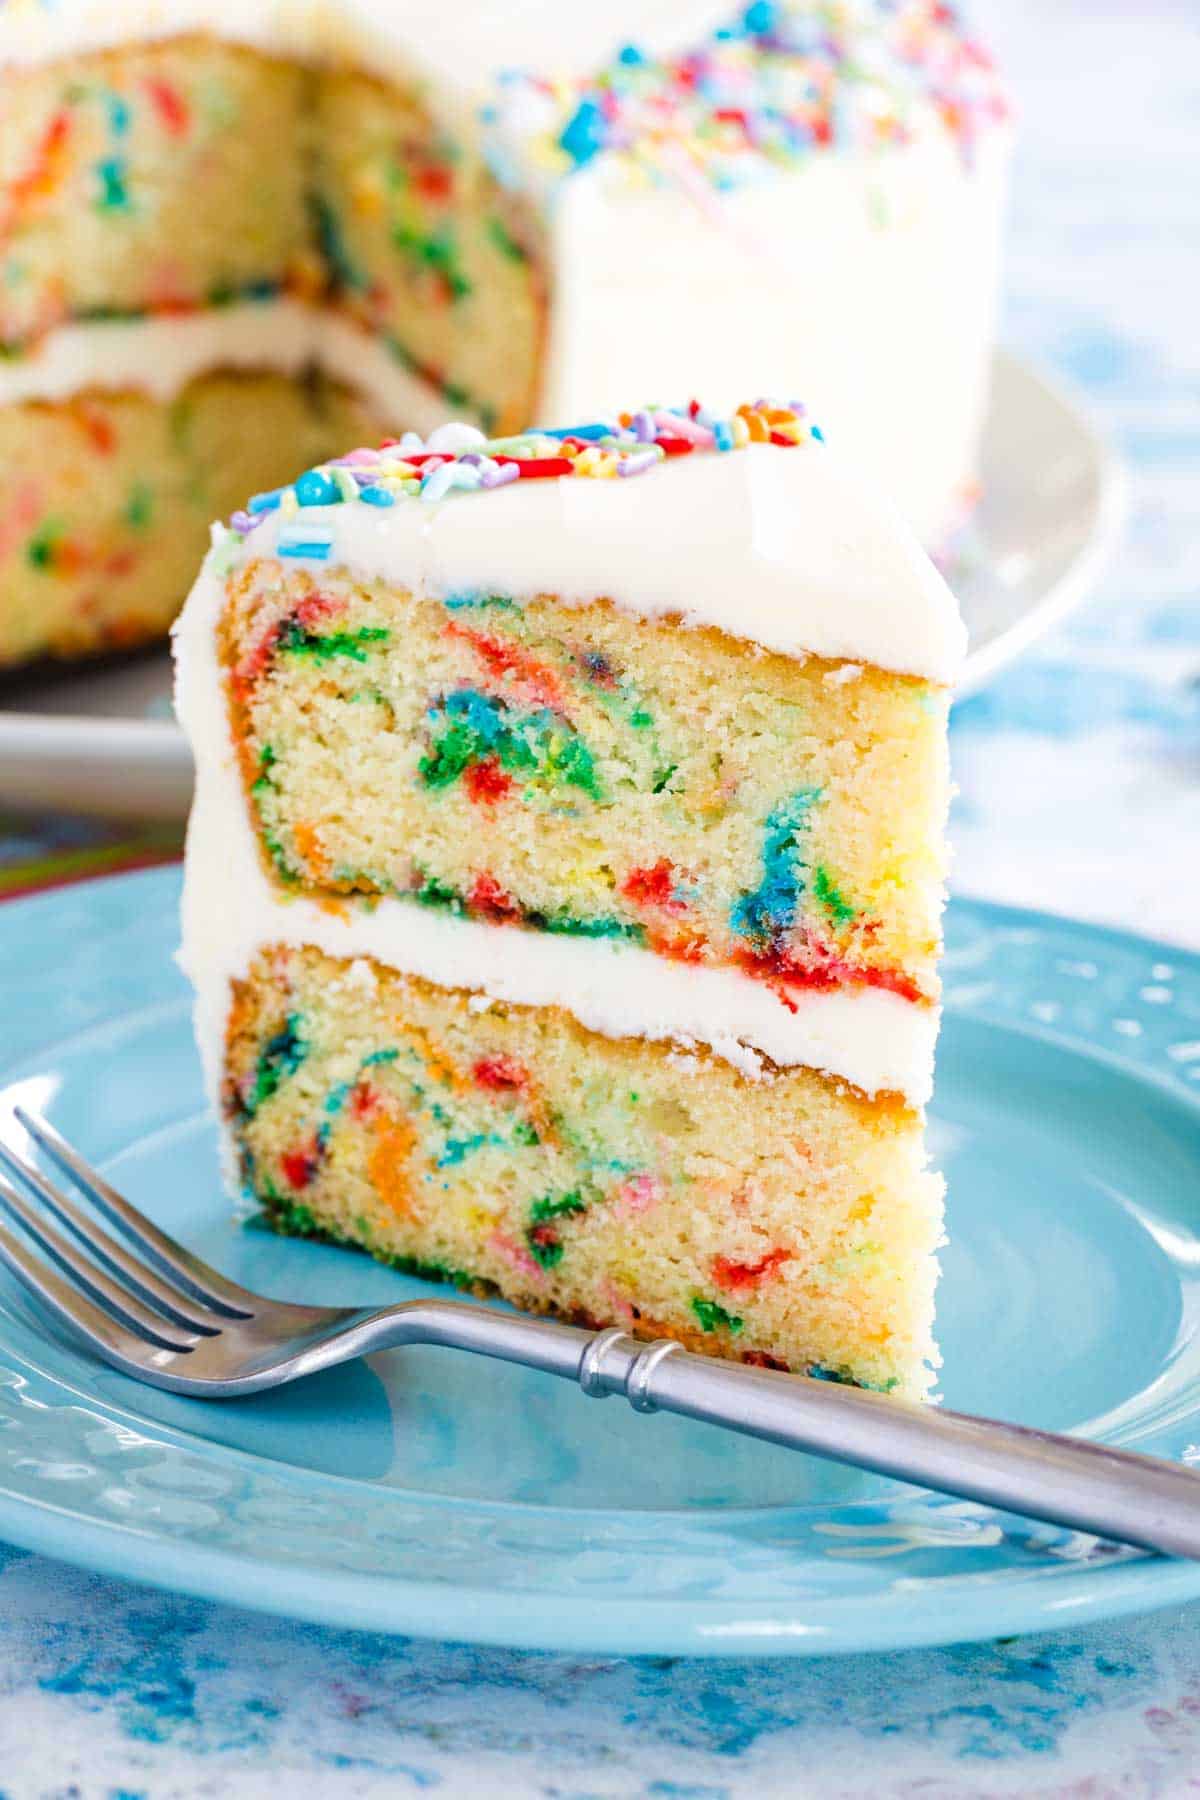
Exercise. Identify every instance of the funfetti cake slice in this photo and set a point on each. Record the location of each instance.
(564, 878)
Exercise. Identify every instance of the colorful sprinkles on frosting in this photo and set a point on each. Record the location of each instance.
(776, 84)
(460, 459)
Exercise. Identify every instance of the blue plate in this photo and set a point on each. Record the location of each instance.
(430, 1492)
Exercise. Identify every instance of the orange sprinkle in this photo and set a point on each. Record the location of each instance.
(387, 1165)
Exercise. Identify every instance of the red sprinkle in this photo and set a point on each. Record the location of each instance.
(434, 182)
(316, 608)
(653, 887)
(538, 469)
(300, 1166)
(824, 972)
(729, 1274)
(759, 1359)
(499, 1073)
(489, 898)
(363, 1100)
(487, 782)
(672, 446)
(170, 106)
(502, 659)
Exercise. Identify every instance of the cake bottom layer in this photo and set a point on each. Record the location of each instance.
(787, 1221)
(106, 500)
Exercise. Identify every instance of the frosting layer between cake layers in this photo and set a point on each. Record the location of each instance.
(159, 354)
(778, 549)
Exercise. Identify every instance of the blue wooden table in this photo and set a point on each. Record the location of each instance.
(1080, 792)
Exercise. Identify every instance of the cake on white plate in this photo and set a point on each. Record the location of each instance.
(564, 879)
(235, 233)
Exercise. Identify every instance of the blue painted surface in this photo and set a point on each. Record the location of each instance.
(1080, 790)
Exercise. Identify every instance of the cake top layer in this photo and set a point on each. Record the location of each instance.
(682, 89)
(748, 524)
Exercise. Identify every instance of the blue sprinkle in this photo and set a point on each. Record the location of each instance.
(761, 18)
(315, 489)
(377, 496)
(585, 133)
(818, 434)
(722, 434)
(631, 56)
(264, 503)
(592, 434)
(769, 912)
(316, 546)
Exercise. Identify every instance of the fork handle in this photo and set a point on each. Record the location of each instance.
(1120, 1494)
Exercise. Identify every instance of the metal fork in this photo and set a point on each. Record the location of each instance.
(163, 1316)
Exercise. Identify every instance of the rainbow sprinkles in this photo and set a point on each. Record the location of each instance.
(459, 458)
(776, 84)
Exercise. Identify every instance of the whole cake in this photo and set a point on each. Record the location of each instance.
(227, 228)
(564, 877)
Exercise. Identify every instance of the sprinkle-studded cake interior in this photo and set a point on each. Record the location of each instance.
(785, 1221)
(576, 770)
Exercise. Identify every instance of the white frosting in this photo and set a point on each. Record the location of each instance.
(782, 548)
(159, 355)
(864, 285)
(231, 908)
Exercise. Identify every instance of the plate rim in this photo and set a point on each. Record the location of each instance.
(1053, 1594)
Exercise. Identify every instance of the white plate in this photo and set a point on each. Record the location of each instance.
(103, 740)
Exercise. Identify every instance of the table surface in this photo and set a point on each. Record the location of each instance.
(1080, 792)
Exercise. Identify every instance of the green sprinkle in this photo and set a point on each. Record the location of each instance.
(564, 1206)
(42, 547)
(299, 642)
(114, 190)
(546, 1251)
(505, 242)
(831, 898)
(431, 1271)
(140, 507)
(433, 892)
(713, 1316)
(280, 1057)
(662, 778)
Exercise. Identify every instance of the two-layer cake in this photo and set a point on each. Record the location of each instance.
(236, 233)
(564, 880)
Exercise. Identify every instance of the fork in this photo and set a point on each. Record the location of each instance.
(165, 1317)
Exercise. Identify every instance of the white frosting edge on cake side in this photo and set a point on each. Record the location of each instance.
(782, 548)
(158, 355)
(791, 286)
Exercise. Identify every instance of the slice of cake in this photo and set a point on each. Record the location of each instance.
(225, 227)
(564, 878)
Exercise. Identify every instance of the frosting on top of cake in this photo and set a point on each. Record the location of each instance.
(682, 89)
(768, 87)
(745, 523)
